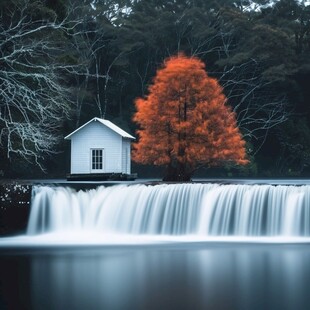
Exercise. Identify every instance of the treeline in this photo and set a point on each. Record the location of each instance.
(63, 62)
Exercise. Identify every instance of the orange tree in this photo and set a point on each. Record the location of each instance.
(184, 121)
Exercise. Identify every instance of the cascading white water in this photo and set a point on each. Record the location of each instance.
(174, 209)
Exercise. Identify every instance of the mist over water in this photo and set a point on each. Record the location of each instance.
(216, 276)
(176, 246)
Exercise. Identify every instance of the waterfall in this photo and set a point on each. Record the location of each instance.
(173, 209)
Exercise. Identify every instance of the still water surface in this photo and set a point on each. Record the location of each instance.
(209, 276)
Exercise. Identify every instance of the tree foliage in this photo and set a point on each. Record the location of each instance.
(185, 122)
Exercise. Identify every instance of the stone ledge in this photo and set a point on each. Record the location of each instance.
(102, 177)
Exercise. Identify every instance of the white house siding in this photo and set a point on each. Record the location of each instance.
(96, 136)
(126, 156)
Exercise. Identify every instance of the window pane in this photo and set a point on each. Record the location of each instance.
(97, 159)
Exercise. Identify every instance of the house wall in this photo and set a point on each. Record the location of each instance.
(126, 158)
(96, 135)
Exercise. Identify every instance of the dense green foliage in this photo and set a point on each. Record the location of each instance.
(258, 50)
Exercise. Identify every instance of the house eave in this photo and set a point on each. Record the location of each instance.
(121, 132)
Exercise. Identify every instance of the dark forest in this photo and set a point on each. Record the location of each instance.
(65, 62)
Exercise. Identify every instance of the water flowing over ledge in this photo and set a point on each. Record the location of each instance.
(170, 212)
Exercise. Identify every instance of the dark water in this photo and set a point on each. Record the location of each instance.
(216, 276)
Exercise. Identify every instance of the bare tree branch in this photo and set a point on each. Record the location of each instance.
(35, 96)
(258, 107)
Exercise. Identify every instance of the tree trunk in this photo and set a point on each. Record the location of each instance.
(177, 174)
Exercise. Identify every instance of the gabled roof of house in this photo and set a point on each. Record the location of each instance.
(106, 123)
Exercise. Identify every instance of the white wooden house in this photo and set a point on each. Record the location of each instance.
(99, 148)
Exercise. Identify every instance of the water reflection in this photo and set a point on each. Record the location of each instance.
(216, 276)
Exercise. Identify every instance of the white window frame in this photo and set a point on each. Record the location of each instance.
(97, 166)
